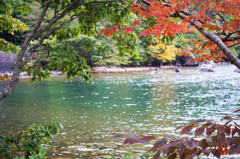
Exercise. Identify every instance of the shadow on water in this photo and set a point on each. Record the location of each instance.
(143, 103)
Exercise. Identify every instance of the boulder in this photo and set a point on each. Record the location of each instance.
(237, 70)
(206, 68)
(176, 70)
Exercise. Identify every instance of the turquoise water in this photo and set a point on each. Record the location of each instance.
(150, 103)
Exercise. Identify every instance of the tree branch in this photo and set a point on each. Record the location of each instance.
(234, 44)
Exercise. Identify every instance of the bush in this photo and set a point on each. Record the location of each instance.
(28, 144)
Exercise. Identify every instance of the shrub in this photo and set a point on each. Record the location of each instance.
(28, 144)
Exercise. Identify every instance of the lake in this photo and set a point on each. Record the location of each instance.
(149, 103)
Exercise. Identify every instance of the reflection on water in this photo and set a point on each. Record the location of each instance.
(143, 103)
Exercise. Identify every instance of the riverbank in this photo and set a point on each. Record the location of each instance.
(100, 70)
(116, 69)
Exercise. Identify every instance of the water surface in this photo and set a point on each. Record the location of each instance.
(150, 103)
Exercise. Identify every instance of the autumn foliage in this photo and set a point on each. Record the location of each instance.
(216, 21)
(216, 139)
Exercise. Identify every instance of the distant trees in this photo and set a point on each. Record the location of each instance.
(162, 51)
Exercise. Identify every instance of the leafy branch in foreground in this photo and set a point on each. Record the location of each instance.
(219, 140)
(28, 144)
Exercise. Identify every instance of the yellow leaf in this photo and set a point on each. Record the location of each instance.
(29, 64)
(12, 33)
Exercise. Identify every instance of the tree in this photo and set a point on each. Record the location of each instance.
(56, 26)
(162, 51)
(217, 21)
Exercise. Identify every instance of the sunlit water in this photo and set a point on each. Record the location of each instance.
(150, 103)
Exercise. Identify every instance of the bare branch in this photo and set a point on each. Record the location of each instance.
(233, 45)
(228, 38)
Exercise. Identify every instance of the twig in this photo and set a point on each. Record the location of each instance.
(234, 44)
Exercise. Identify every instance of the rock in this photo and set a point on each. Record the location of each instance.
(206, 68)
(237, 70)
(176, 70)
(184, 61)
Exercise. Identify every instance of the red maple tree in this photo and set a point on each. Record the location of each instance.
(218, 22)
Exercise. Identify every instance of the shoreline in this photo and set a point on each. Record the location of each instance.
(118, 69)
(103, 69)
(100, 70)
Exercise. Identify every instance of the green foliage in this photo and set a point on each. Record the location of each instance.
(10, 24)
(28, 144)
(63, 57)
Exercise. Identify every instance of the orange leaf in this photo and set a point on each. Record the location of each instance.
(217, 16)
(102, 31)
(136, 22)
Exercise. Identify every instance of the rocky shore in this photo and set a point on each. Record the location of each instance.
(101, 69)
(127, 69)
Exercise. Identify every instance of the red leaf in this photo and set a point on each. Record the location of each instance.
(199, 121)
(188, 144)
(210, 130)
(207, 124)
(157, 155)
(116, 136)
(179, 127)
(160, 142)
(221, 140)
(131, 140)
(174, 143)
(109, 31)
(234, 149)
(236, 111)
(169, 136)
(227, 118)
(227, 130)
(216, 153)
(234, 131)
(186, 129)
(191, 143)
(146, 139)
(203, 144)
(128, 29)
(102, 31)
(220, 129)
(165, 149)
(199, 131)
(136, 22)
(127, 132)
(206, 151)
(209, 141)
(237, 124)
